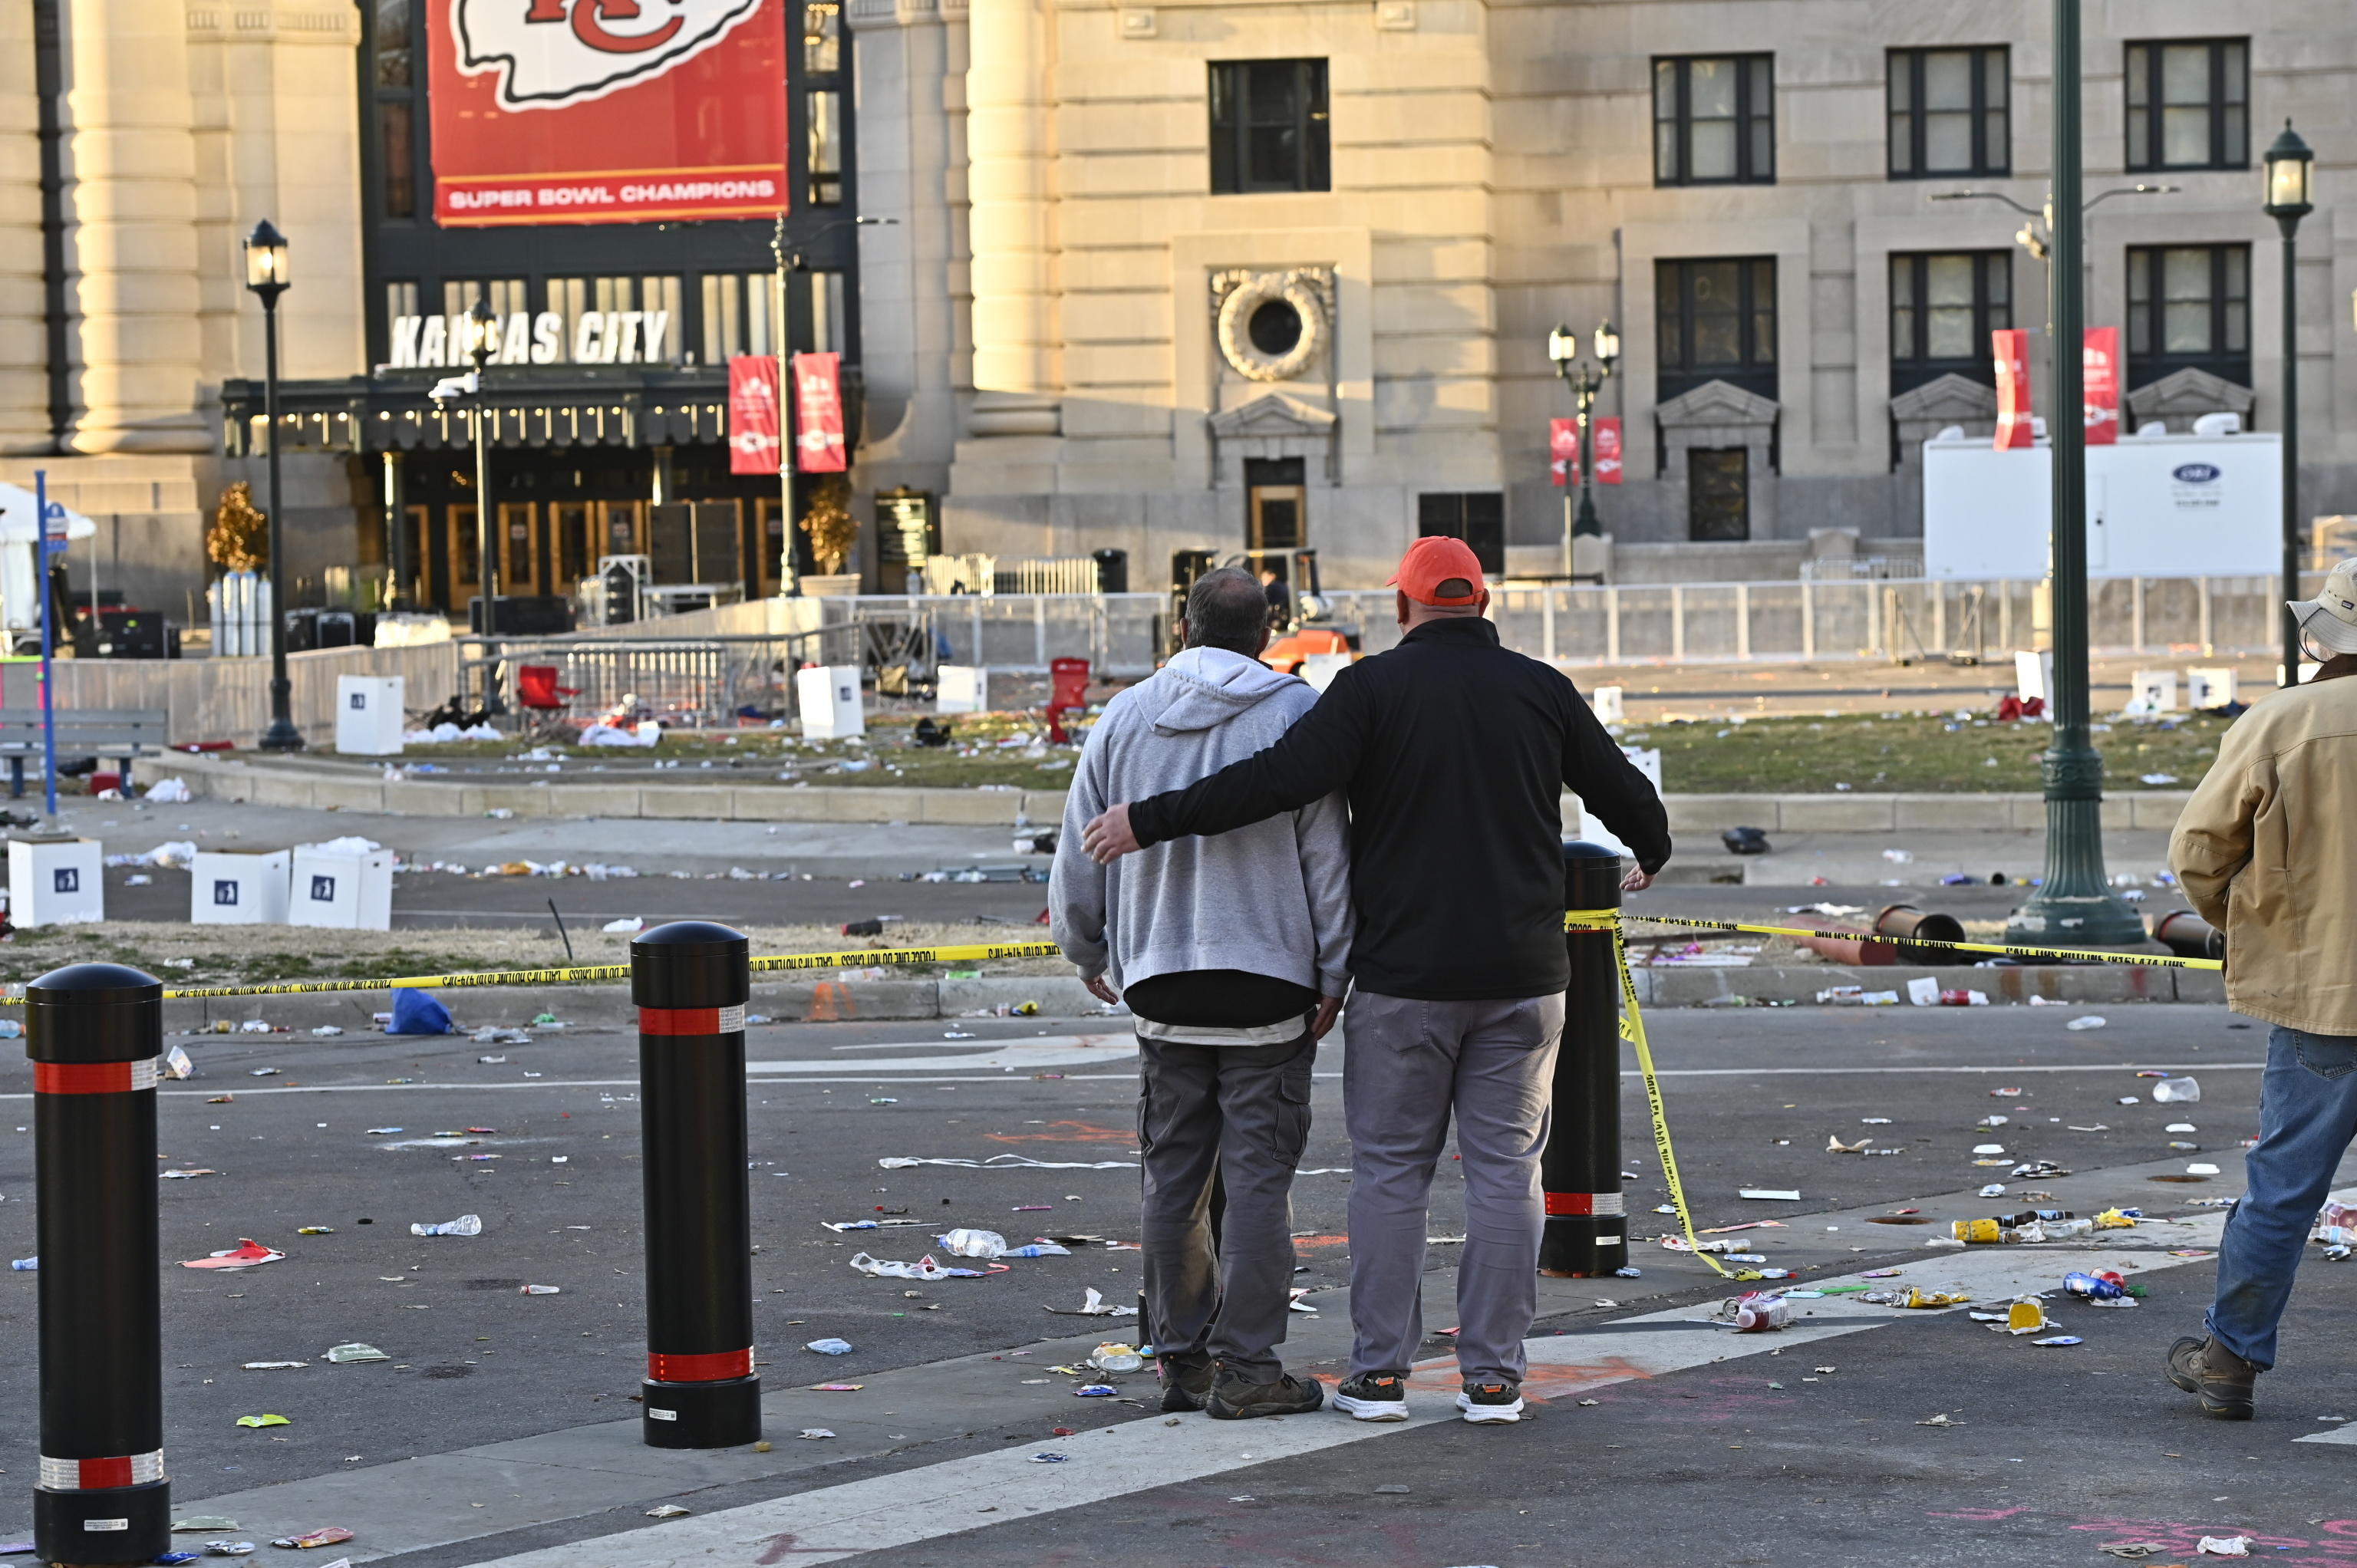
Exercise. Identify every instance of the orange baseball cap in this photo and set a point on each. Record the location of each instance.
(1434, 564)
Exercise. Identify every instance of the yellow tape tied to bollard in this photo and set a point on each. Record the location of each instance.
(1632, 1029)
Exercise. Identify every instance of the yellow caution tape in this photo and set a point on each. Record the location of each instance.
(597, 974)
(1632, 1029)
(1577, 919)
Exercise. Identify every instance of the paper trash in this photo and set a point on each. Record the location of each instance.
(247, 1254)
(464, 1225)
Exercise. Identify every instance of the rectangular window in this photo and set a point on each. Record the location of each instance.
(396, 140)
(2190, 104)
(1268, 126)
(1717, 322)
(826, 314)
(1714, 120)
(1950, 112)
(822, 37)
(737, 314)
(825, 149)
(2189, 305)
(1477, 516)
(506, 295)
(1943, 308)
(400, 299)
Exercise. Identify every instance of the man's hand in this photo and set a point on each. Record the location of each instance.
(1330, 1008)
(1636, 880)
(1100, 991)
(1108, 837)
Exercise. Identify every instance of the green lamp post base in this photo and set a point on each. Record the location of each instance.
(2076, 906)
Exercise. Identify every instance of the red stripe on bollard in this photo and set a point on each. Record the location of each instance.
(89, 1474)
(94, 1077)
(708, 1368)
(692, 1020)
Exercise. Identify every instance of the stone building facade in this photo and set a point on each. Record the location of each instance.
(1213, 274)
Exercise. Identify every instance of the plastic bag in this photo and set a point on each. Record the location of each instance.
(464, 1225)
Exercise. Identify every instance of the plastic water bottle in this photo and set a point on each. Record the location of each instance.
(2094, 1287)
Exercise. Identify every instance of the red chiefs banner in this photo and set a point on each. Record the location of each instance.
(753, 445)
(818, 414)
(2099, 367)
(605, 111)
(1563, 451)
(1606, 437)
(2011, 345)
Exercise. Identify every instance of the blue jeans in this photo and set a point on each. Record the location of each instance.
(2308, 1114)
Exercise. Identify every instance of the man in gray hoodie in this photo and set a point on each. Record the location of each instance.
(1232, 953)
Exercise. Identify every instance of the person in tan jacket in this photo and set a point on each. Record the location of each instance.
(2262, 852)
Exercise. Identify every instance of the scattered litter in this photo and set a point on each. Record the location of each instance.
(1095, 1390)
(540, 1290)
(924, 1268)
(200, 1522)
(231, 1549)
(2091, 1021)
(1757, 1312)
(630, 925)
(2132, 1549)
(2224, 1546)
(25, 1265)
(967, 1243)
(178, 1065)
(264, 1421)
(464, 1225)
(830, 1346)
(1777, 1194)
(187, 1175)
(2201, 1168)
(2177, 1091)
(343, 1355)
(1022, 1162)
(327, 1031)
(1940, 1419)
(247, 1254)
(1050, 1458)
(815, 1433)
(2060, 1339)
(1092, 1305)
(275, 1366)
(332, 1535)
(1113, 1357)
(838, 1388)
(667, 1510)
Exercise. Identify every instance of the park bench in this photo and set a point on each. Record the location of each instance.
(116, 735)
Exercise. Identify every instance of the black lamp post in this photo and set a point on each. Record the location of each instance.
(2288, 165)
(2074, 907)
(265, 275)
(482, 333)
(1584, 379)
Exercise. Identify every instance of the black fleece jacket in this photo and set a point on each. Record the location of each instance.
(1454, 752)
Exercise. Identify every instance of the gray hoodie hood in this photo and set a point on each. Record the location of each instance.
(1202, 688)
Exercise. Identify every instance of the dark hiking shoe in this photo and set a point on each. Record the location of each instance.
(2220, 1378)
(1186, 1381)
(1374, 1396)
(1488, 1402)
(1233, 1399)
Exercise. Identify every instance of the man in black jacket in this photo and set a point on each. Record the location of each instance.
(1454, 753)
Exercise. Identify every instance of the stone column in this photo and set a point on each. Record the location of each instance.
(131, 207)
(23, 330)
(1009, 230)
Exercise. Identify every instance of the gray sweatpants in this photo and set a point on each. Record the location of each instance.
(1407, 1067)
(1241, 1112)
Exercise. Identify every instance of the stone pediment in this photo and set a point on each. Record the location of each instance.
(1717, 402)
(1950, 399)
(2189, 392)
(1272, 415)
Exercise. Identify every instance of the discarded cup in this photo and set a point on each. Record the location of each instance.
(2176, 1090)
(464, 1225)
(1114, 1357)
(830, 1346)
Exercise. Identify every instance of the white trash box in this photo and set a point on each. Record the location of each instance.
(962, 688)
(2033, 675)
(829, 700)
(1607, 704)
(1648, 763)
(54, 880)
(368, 715)
(2208, 688)
(232, 889)
(344, 888)
(2152, 692)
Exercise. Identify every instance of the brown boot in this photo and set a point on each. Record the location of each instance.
(2220, 1378)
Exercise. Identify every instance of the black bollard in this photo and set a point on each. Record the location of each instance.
(1587, 1224)
(93, 1032)
(691, 980)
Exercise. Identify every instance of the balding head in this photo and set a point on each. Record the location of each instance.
(1226, 608)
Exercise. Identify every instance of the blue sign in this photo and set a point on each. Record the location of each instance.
(2196, 472)
(323, 890)
(67, 879)
(225, 893)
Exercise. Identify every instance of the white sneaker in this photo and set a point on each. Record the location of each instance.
(1485, 1403)
(1374, 1396)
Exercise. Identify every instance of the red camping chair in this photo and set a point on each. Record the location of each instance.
(1067, 691)
(536, 688)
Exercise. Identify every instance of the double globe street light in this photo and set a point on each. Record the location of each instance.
(1585, 378)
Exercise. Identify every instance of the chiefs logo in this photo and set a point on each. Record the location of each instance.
(551, 53)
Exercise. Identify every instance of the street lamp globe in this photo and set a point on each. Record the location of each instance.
(2289, 162)
(265, 260)
(1608, 345)
(1563, 346)
(482, 333)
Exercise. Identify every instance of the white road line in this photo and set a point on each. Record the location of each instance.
(830, 1524)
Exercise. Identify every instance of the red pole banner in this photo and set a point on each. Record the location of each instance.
(1607, 437)
(818, 415)
(2011, 345)
(2101, 359)
(605, 111)
(753, 414)
(1563, 451)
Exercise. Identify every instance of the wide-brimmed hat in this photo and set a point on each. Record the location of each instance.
(2330, 617)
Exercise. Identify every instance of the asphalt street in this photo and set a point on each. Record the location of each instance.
(1752, 1099)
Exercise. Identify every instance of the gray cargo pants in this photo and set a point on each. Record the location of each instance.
(1241, 1111)
(1405, 1067)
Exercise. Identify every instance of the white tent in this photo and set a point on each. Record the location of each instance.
(18, 523)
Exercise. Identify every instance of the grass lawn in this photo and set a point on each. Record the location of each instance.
(1915, 753)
